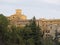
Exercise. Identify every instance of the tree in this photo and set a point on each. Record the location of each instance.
(37, 34)
(3, 22)
(28, 35)
(48, 40)
(3, 26)
(33, 33)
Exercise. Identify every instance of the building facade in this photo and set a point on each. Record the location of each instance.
(47, 25)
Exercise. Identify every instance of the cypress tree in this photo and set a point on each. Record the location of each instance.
(36, 32)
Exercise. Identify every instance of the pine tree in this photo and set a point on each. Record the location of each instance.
(36, 32)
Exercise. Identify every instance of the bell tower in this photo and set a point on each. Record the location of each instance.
(18, 11)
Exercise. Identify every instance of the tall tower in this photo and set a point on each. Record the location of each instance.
(18, 11)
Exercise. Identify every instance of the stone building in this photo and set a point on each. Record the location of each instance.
(47, 25)
(18, 18)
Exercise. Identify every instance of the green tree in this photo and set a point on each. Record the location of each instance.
(32, 33)
(29, 35)
(48, 40)
(15, 36)
(3, 26)
(36, 32)
(3, 22)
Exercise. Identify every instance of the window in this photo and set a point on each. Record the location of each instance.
(13, 16)
(47, 31)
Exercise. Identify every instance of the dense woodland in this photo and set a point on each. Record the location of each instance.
(29, 35)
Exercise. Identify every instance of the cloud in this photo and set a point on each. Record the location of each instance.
(13, 1)
(32, 1)
(8, 1)
(38, 8)
(52, 1)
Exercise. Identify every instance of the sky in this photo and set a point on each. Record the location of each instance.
(49, 9)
